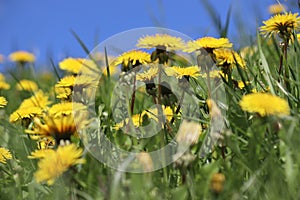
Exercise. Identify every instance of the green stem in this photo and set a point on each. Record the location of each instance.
(133, 95)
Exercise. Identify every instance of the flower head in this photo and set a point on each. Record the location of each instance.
(208, 43)
(65, 108)
(180, 72)
(40, 153)
(56, 162)
(276, 9)
(24, 113)
(217, 182)
(147, 75)
(22, 57)
(264, 104)
(4, 155)
(163, 41)
(75, 65)
(65, 86)
(59, 127)
(137, 119)
(228, 58)
(39, 99)
(31, 107)
(189, 132)
(281, 24)
(4, 85)
(134, 57)
(3, 102)
(213, 74)
(27, 85)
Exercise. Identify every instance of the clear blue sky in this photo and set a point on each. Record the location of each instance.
(43, 26)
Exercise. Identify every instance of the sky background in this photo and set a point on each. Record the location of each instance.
(44, 26)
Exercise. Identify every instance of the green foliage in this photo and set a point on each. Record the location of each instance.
(259, 156)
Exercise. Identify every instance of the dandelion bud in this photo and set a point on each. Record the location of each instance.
(217, 183)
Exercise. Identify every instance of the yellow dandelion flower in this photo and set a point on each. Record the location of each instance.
(99, 56)
(55, 163)
(276, 9)
(4, 85)
(241, 85)
(3, 102)
(65, 108)
(67, 81)
(213, 74)
(27, 85)
(22, 57)
(72, 65)
(208, 43)
(39, 99)
(85, 81)
(147, 75)
(134, 57)
(44, 142)
(179, 72)
(163, 41)
(248, 51)
(76, 65)
(65, 86)
(2, 77)
(63, 93)
(24, 113)
(153, 113)
(281, 24)
(60, 127)
(112, 70)
(40, 153)
(4, 155)
(228, 58)
(264, 104)
(30, 107)
(137, 119)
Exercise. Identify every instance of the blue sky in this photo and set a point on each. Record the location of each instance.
(43, 26)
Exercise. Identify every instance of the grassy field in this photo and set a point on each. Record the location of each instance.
(171, 119)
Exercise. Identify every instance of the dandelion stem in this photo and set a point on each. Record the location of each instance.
(178, 107)
(133, 94)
